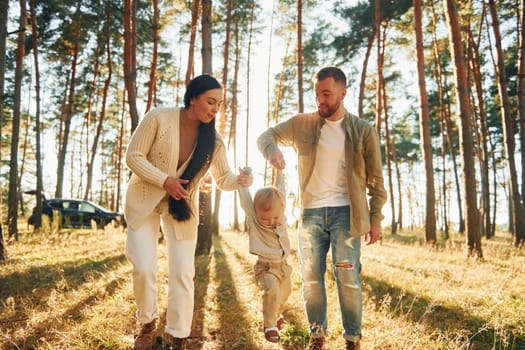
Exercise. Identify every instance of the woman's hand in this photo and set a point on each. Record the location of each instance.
(245, 178)
(174, 187)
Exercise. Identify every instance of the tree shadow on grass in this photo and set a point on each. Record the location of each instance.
(294, 330)
(34, 286)
(40, 331)
(71, 274)
(232, 312)
(202, 280)
(446, 319)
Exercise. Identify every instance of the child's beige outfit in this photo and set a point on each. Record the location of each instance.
(272, 247)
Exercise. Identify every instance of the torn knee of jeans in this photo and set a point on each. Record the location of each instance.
(344, 265)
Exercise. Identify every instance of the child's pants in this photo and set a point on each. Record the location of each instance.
(274, 277)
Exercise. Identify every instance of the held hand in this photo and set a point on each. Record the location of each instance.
(276, 159)
(174, 187)
(373, 235)
(245, 177)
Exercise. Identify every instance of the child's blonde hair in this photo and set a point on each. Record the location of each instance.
(265, 198)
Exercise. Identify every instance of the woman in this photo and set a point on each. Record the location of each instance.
(169, 152)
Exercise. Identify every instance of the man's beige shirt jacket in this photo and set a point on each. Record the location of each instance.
(365, 184)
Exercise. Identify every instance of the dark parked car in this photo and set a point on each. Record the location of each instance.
(79, 213)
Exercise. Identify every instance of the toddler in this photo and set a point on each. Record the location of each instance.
(269, 241)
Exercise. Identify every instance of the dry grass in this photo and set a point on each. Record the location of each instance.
(72, 290)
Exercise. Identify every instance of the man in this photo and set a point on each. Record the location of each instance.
(339, 160)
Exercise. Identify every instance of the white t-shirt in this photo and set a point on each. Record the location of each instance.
(327, 186)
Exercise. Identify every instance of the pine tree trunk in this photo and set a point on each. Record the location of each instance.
(248, 68)
(68, 114)
(193, 35)
(382, 116)
(300, 56)
(424, 127)
(446, 130)
(118, 157)
(520, 236)
(226, 59)
(466, 143)
(234, 107)
(362, 84)
(508, 132)
(130, 60)
(4, 8)
(482, 137)
(152, 86)
(379, 91)
(389, 146)
(204, 237)
(205, 213)
(12, 200)
(206, 30)
(438, 74)
(102, 117)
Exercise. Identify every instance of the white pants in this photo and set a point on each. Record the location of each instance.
(141, 250)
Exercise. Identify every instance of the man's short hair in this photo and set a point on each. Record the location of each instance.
(337, 74)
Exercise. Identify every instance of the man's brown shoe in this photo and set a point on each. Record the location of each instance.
(316, 343)
(350, 345)
(178, 343)
(144, 340)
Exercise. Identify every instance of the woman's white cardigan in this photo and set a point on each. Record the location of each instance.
(152, 155)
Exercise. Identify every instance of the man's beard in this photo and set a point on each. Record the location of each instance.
(329, 111)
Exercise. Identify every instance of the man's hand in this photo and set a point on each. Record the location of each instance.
(373, 235)
(276, 159)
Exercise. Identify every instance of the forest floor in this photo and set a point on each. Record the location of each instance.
(72, 290)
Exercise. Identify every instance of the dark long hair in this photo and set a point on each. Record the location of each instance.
(179, 208)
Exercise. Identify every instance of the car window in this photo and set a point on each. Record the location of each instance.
(87, 207)
(56, 205)
(70, 205)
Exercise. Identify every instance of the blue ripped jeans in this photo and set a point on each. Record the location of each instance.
(322, 228)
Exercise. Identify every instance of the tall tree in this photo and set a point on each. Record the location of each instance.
(12, 201)
(481, 131)
(130, 59)
(191, 47)
(466, 143)
(248, 69)
(380, 79)
(424, 127)
(518, 219)
(105, 92)
(381, 105)
(225, 66)
(300, 55)
(222, 113)
(206, 28)
(74, 52)
(205, 207)
(447, 130)
(520, 236)
(268, 77)
(234, 110)
(362, 25)
(4, 7)
(155, 26)
(38, 128)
